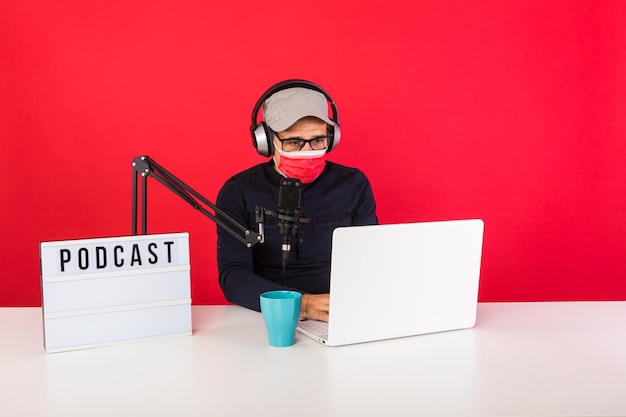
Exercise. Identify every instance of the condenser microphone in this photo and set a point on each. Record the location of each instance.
(288, 213)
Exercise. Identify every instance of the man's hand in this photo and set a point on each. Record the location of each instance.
(315, 306)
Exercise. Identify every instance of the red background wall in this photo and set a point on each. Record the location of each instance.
(510, 111)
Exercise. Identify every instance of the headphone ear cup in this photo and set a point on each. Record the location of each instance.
(334, 136)
(262, 139)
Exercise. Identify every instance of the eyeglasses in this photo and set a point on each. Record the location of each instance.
(297, 144)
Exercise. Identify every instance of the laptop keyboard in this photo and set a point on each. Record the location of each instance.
(319, 328)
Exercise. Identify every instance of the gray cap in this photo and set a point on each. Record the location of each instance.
(284, 108)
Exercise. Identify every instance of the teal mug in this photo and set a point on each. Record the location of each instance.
(281, 312)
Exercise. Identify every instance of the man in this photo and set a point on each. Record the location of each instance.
(299, 134)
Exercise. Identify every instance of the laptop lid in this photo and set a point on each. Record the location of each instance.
(399, 280)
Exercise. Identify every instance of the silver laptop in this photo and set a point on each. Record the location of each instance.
(398, 280)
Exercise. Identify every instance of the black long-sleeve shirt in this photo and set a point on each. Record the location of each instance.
(340, 196)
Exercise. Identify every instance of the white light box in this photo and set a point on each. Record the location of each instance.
(100, 292)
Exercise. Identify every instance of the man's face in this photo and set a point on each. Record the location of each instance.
(306, 128)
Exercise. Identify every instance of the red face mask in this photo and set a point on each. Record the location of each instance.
(304, 165)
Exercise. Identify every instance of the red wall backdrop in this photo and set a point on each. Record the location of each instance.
(510, 111)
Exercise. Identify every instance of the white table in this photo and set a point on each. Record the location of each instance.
(521, 359)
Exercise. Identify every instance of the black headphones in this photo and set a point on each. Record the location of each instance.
(262, 135)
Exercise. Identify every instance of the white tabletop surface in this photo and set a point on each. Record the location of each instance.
(521, 359)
